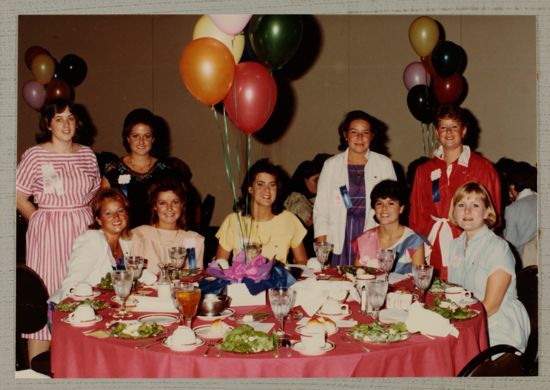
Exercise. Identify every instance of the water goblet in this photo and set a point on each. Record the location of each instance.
(178, 255)
(281, 300)
(122, 282)
(186, 298)
(134, 264)
(251, 251)
(385, 260)
(422, 275)
(376, 291)
(322, 252)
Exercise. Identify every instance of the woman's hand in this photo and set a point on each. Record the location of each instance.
(497, 284)
(24, 205)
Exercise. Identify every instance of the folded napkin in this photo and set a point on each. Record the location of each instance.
(154, 304)
(429, 322)
(261, 326)
(147, 277)
(314, 264)
(396, 278)
(311, 293)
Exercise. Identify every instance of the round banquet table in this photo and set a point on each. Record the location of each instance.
(76, 355)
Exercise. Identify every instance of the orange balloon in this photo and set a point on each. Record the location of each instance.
(423, 35)
(43, 68)
(207, 68)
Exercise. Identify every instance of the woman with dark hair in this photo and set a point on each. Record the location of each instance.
(98, 250)
(303, 186)
(135, 172)
(260, 218)
(389, 199)
(436, 181)
(341, 210)
(62, 177)
(168, 226)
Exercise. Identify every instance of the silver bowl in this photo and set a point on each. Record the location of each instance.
(213, 305)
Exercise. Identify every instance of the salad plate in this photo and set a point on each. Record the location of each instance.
(257, 316)
(245, 340)
(299, 347)
(70, 306)
(185, 347)
(82, 324)
(134, 329)
(161, 319)
(452, 310)
(205, 332)
(376, 333)
(224, 314)
(83, 297)
(300, 330)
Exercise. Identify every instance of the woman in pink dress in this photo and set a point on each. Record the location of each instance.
(61, 176)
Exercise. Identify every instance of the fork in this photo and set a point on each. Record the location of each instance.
(150, 343)
(208, 346)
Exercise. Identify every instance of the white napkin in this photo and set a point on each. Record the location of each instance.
(429, 322)
(314, 265)
(154, 304)
(261, 326)
(396, 278)
(311, 293)
(306, 272)
(147, 277)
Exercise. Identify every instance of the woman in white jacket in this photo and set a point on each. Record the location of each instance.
(98, 250)
(342, 207)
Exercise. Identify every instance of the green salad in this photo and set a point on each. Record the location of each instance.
(244, 339)
(351, 269)
(377, 333)
(136, 330)
(96, 304)
(450, 309)
(106, 282)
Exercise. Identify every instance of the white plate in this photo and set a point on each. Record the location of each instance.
(204, 331)
(160, 319)
(467, 301)
(83, 297)
(130, 302)
(184, 348)
(224, 314)
(299, 347)
(83, 324)
(300, 330)
(392, 316)
(335, 316)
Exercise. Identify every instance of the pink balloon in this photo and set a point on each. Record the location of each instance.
(230, 24)
(416, 74)
(34, 94)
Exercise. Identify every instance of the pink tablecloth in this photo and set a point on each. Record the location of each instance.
(75, 355)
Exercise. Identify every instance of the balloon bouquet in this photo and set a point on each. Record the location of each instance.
(441, 61)
(210, 69)
(52, 80)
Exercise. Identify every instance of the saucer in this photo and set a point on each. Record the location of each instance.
(299, 347)
(186, 347)
(300, 330)
(338, 316)
(77, 297)
(224, 314)
(205, 332)
(82, 324)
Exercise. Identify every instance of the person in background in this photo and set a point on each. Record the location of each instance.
(62, 177)
(342, 206)
(261, 219)
(521, 215)
(167, 228)
(97, 251)
(437, 180)
(388, 199)
(481, 262)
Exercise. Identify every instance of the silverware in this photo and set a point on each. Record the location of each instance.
(276, 352)
(208, 346)
(288, 345)
(150, 343)
(218, 349)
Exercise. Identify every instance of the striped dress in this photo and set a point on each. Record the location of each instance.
(62, 185)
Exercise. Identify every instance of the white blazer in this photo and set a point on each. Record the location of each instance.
(91, 259)
(329, 211)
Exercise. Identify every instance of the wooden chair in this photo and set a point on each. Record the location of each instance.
(527, 287)
(509, 363)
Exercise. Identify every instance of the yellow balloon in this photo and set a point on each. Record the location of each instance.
(205, 28)
(423, 35)
(43, 68)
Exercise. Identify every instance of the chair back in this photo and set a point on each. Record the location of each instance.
(527, 287)
(207, 209)
(31, 301)
(509, 363)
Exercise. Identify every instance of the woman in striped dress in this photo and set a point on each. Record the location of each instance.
(62, 176)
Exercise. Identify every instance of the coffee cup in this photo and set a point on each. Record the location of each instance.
(182, 336)
(361, 280)
(457, 294)
(82, 289)
(313, 341)
(82, 313)
(333, 307)
(338, 295)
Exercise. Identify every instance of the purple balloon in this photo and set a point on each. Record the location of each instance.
(416, 74)
(34, 94)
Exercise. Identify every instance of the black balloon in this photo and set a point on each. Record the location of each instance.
(421, 103)
(447, 58)
(72, 69)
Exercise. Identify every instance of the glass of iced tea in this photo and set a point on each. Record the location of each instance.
(186, 298)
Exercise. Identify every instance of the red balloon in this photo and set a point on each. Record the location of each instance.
(251, 99)
(448, 90)
(32, 52)
(58, 89)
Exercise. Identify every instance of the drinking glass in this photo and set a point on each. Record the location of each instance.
(251, 251)
(186, 297)
(422, 275)
(122, 282)
(178, 255)
(281, 300)
(385, 260)
(376, 291)
(322, 251)
(135, 265)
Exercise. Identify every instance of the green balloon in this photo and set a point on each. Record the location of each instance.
(275, 38)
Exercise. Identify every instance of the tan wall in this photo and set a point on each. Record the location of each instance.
(133, 62)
